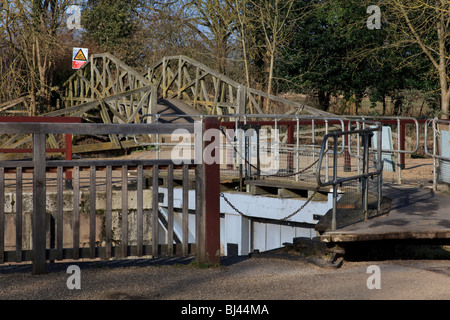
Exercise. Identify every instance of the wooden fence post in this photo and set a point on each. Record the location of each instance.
(39, 203)
(208, 232)
(241, 96)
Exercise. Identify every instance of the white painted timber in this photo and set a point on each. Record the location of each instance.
(250, 235)
(273, 207)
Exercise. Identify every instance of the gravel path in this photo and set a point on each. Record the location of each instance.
(238, 278)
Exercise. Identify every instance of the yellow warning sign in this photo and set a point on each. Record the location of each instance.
(80, 56)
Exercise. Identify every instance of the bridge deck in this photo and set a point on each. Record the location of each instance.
(415, 214)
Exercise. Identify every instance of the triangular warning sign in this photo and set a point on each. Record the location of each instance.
(80, 56)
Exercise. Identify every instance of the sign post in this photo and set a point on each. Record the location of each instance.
(79, 57)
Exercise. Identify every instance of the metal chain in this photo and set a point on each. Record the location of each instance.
(232, 206)
(283, 219)
(295, 173)
(273, 175)
(301, 208)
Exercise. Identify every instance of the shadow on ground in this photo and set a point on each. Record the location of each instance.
(397, 250)
(119, 263)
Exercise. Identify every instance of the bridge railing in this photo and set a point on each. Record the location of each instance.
(208, 90)
(298, 145)
(401, 138)
(265, 146)
(440, 148)
(88, 220)
(372, 167)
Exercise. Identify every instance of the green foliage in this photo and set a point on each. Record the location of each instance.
(333, 52)
(109, 22)
(146, 148)
(324, 48)
(317, 55)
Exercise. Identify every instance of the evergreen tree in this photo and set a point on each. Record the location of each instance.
(333, 52)
(111, 25)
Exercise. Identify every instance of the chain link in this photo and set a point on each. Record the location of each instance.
(272, 175)
(232, 206)
(283, 219)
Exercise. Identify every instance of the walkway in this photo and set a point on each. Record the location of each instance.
(416, 213)
(245, 279)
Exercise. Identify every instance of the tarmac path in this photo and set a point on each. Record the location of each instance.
(240, 278)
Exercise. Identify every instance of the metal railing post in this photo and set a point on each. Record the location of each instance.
(399, 165)
(380, 165)
(333, 219)
(365, 189)
(362, 177)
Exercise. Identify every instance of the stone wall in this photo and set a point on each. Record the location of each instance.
(27, 208)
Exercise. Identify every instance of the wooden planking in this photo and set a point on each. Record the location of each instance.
(343, 236)
(76, 212)
(92, 210)
(155, 212)
(286, 184)
(19, 214)
(40, 166)
(59, 212)
(185, 209)
(2, 213)
(199, 232)
(124, 210)
(170, 210)
(39, 204)
(139, 213)
(100, 252)
(94, 128)
(415, 214)
(108, 218)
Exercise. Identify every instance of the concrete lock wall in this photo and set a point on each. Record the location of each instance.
(27, 207)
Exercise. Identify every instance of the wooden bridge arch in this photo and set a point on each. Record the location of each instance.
(175, 77)
(106, 90)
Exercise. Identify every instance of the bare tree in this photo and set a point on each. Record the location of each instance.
(205, 24)
(425, 23)
(30, 32)
(276, 19)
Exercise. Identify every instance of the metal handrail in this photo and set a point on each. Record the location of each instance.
(434, 122)
(398, 120)
(435, 156)
(366, 133)
(400, 151)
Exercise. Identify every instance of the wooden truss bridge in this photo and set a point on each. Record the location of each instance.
(106, 90)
